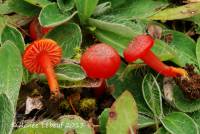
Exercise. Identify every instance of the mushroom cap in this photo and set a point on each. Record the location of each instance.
(35, 49)
(100, 61)
(138, 47)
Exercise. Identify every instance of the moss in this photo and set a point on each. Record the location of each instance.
(87, 105)
(65, 106)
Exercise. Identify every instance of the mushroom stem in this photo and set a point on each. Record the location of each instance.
(49, 73)
(150, 59)
(101, 89)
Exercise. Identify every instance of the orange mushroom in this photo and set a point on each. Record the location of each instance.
(40, 57)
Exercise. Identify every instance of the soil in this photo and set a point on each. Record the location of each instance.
(191, 85)
(53, 109)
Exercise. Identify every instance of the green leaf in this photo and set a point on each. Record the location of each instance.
(11, 70)
(196, 117)
(162, 130)
(66, 5)
(130, 80)
(163, 50)
(195, 19)
(124, 111)
(112, 24)
(39, 3)
(183, 47)
(139, 9)
(12, 34)
(24, 8)
(65, 124)
(198, 52)
(26, 76)
(152, 95)
(68, 36)
(17, 20)
(51, 16)
(182, 103)
(144, 121)
(70, 72)
(180, 123)
(7, 114)
(114, 3)
(5, 8)
(10, 82)
(2, 25)
(176, 13)
(103, 118)
(102, 9)
(116, 41)
(85, 8)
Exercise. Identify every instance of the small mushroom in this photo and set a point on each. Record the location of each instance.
(140, 48)
(100, 61)
(36, 31)
(40, 57)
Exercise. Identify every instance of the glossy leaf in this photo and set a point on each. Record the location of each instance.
(85, 8)
(68, 36)
(70, 72)
(12, 34)
(51, 16)
(180, 123)
(10, 82)
(176, 13)
(123, 110)
(152, 95)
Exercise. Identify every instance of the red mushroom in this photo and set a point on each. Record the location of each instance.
(36, 31)
(40, 57)
(100, 61)
(140, 48)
